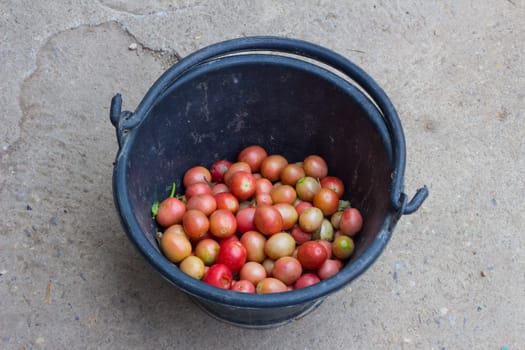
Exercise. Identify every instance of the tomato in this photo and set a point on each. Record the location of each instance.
(306, 280)
(306, 188)
(253, 155)
(287, 269)
(268, 220)
(351, 222)
(311, 255)
(288, 213)
(254, 242)
(268, 265)
(335, 184)
(272, 166)
(242, 185)
(170, 212)
(218, 168)
(207, 250)
(219, 275)
(222, 223)
(192, 266)
(343, 247)
(232, 254)
(325, 231)
(279, 245)
(300, 236)
(243, 286)
(335, 219)
(311, 219)
(327, 246)
(326, 200)
(228, 201)
(302, 205)
(197, 188)
(195, 224)
(175, 247)
(263, 199)
(244, 219)
(219, 188)
(329, 268)
(263, 185)
(253, 272)
(203, 202)
(283, 194)
(291, 174)
(270, 285)
(195, 175)
(315, 166)
(177, 229)
(235, 167)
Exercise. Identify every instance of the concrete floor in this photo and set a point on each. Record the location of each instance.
(453, 275)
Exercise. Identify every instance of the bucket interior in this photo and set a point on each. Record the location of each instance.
(288, 106)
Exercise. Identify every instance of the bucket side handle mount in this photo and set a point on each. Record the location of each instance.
(123, 121)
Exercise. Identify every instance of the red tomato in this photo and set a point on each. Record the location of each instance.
(197, 188)
(244, 219)
(272, 166)
(263, 199)
(235, 167)
(222, 223)
(203, 202)
(253, 272)
(170, 212)
(335, 184)
(263, 185)
(311, 255)
(287, 269)
(351, 222)
(302, 205)
(218, 168)
(326, 200)
(283, 194)
(288, 213)
(291, 174)
(306, 280)
(219, 188)
(329, 268)
(242, 185)
(195, 175)
(243, 286)
(226, 200)
(253, 155)
(300, 236)
(195, 224)
(327, 246)
(315, 166)
(232, 254)
(268, 220)
(218, 275)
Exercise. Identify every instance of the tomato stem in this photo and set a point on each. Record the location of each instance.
(173, 187)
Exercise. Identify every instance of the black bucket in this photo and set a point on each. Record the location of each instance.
(293, 98)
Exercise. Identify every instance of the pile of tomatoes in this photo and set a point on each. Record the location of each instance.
(259, 224)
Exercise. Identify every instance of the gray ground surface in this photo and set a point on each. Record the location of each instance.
(453, 275)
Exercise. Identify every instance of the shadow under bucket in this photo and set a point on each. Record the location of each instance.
(291, 97)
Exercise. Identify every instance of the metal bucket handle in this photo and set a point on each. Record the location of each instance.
(124, 121)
